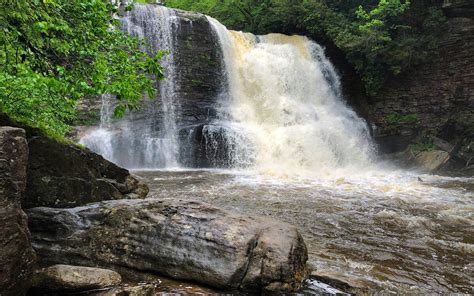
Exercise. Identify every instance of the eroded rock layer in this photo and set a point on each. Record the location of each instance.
(438, 96)
(16, 253)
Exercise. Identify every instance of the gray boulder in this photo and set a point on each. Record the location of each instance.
(16, 253)
(181, 239)
(74, 278)
(61, 175)
(431, 161)
(65, 175)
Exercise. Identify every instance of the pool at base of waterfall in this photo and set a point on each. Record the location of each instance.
(389, 231)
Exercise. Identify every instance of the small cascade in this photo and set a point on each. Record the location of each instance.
(284, 98)
(147, 138)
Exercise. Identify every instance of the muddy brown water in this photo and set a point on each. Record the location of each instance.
(393, 232)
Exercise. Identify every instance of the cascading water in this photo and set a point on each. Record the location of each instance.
(284, 95)
(280, 110)
(147, 138)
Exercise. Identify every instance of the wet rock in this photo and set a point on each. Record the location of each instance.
(74, 278)
(62, 175)
(182, 239)
(65, 175)
(198, 57)
(431, 161)
(198, 85)
(16, 253)
(140, 290)
(459, 8)
(344, 282)
(437, 95)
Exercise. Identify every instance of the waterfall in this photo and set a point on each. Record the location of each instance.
(284, 96)
(280, 110)
(147, 138)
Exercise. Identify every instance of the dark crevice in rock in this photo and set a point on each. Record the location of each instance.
(252, 246)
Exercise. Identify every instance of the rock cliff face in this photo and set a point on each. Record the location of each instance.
(198, 58)
(199, 83)
(16, 253)
(64, 175)
(436, 97)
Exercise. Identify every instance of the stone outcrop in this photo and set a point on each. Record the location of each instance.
(73, 278)
(199, 84)
(199, 60)
(438, 96)
(16, 253)
(459, 8)
(431, 161)
(62, 175)
(65, 175)
(182, 239)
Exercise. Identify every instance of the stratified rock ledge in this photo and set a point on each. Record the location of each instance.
(178, 238)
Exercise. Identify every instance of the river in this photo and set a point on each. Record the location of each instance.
(390, 231)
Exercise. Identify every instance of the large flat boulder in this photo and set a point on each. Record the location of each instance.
(178, 238)
(16, 253)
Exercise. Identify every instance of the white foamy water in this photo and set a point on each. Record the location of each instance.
(285, 96)
(390, 233)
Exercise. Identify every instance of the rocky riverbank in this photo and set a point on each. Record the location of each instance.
(180, 239)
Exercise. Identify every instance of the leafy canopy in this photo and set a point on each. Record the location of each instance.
(55, 52)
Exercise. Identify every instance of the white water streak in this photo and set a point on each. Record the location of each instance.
(148, 138)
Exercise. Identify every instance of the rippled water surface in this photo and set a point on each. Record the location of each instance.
(390, 231)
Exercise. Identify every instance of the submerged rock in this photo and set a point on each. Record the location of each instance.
(16, 253)
(182, 239)
(344, 282)
(74, 278)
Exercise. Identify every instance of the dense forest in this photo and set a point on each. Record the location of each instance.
(379, 38)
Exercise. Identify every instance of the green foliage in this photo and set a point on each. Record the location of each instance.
(379, 38)
(54, 52)
(89, 118)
